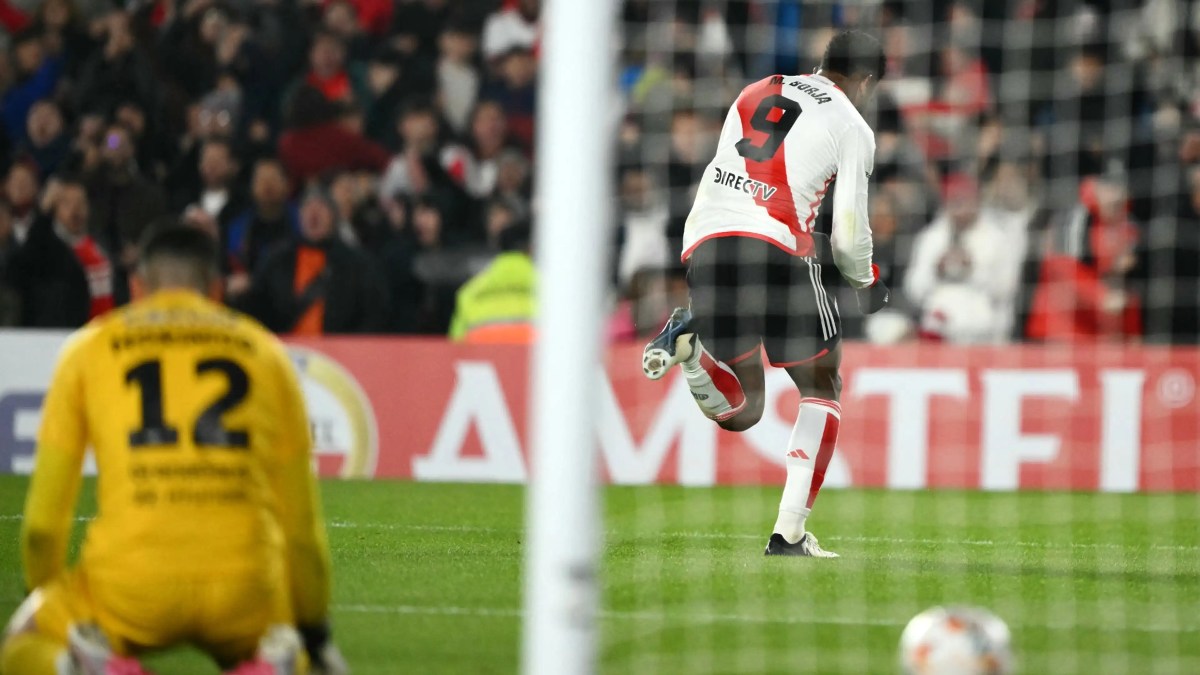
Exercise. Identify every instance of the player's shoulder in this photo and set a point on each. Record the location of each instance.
(762, 86)
(258, 335)
(854, 126)
(83, 340)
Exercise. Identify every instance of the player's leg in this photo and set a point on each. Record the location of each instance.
(244, 624)
(279, 652)
(716, 342)
(54, 633)
(806, 342)
(25, 649)
(729, 393)
(810, 446)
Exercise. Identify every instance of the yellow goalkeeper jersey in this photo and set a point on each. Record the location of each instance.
(202, 446)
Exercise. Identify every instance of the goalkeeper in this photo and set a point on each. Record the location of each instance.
(208, 531)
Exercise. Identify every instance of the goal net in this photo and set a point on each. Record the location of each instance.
(1018, 428)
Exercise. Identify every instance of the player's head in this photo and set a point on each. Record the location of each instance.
(855, 62)
(180, 257)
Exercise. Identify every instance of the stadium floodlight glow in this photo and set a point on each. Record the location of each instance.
(575, 130)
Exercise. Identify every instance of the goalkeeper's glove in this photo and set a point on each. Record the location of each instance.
(874, 297)
(323, 656)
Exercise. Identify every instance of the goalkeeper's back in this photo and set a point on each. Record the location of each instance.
(202, 447)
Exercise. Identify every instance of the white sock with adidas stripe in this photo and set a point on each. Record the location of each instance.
(811, 447)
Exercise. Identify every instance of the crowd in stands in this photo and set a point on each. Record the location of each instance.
(1037, 173)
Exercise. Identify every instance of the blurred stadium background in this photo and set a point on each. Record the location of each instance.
(1021, 427)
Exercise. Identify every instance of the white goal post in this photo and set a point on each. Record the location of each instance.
(573, 180)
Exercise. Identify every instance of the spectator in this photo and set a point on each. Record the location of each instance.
(270, 220)
(46, 142)
(117, 73)
(324, 136)
(68, 202)
(515, 26)
(213, 118)
(418, 24)
(691, 148)
(966, 90)
(422, 273)
(424, 166)
(50, 284)
(36, 76)
(458, 79)
(64, 34)
(893, 324)
(341, 20)
(643, 226)
(331, 75)
(188, 46)
(21, 188)
(317, 285)
(1083, 293)
(395, 79)
(962, 279)
(512, 176)
(489, 137)
(123, 203)
(153, 149)
(360, 222)
(515, 89)
(499, 304)
(219, 197)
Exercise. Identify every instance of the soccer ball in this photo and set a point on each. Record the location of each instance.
(955, 641)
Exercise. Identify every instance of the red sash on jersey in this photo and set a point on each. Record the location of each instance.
(781, 206)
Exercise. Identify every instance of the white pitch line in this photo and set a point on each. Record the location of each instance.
(78, 519)
(710, 618)
(906, 541)
(468, 529)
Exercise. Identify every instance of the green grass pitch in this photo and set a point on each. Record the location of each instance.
(428, 578)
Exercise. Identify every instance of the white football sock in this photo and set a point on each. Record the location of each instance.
(714, 387)
(811, 446)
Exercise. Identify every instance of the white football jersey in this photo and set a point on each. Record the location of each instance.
(785, 140)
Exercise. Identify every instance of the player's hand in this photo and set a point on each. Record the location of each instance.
(324, 657)
(872, 298)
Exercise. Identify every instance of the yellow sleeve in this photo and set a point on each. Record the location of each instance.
(458, 327)
(57, 473)
(462, 301)
(299, 503)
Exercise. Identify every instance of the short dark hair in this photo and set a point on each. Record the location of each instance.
(181, 243)
(852, 53)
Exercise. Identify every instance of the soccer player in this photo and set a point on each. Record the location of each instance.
(755, 263)
(208, 530)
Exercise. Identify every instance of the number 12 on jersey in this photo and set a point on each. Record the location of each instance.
(775, 116)
(209, 429)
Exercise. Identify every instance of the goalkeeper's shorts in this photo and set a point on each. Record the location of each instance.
(223, 616)
(746, 292)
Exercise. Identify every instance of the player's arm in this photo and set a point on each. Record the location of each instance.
(303, 529)
(851, 235)
(299, 504)
(57, 472)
